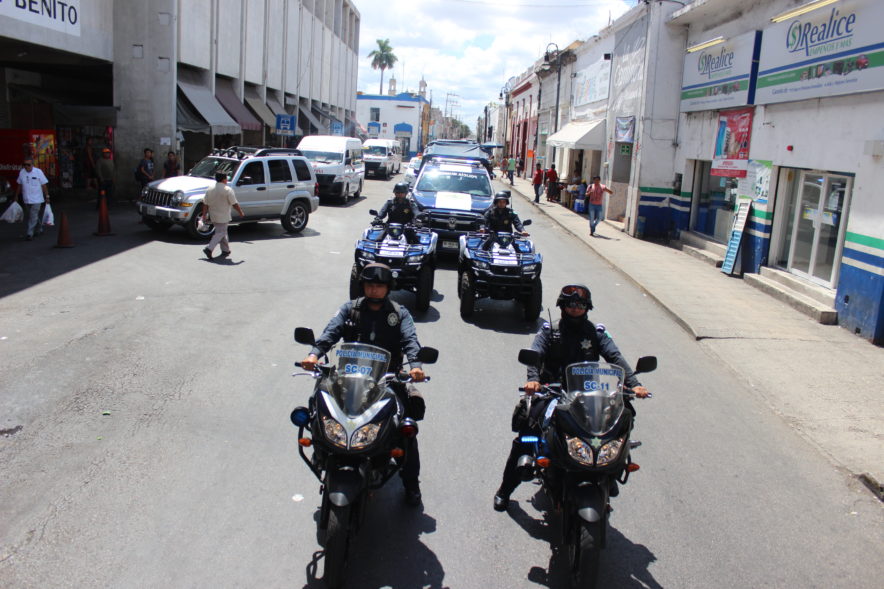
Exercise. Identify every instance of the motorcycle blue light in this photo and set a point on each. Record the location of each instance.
(300, 416)
(529, 439)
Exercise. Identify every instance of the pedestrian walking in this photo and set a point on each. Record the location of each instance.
(217, 202)
(104, 170)
(172, 166)
(596, 193)
(511, 169)
(145, 170)
(537, 182)
(520, 167)
(32, 191)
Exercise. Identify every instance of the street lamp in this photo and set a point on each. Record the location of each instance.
(505, 97)
(550, 58)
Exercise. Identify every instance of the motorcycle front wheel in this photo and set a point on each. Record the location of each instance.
(337, 542)
(584, 555)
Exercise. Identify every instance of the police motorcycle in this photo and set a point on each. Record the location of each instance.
(582, 453)
(413, 264)
(501, 266)
(356, 427)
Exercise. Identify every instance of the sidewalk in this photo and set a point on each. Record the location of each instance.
(776, 349)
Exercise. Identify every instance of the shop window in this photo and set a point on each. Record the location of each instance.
(715, 199)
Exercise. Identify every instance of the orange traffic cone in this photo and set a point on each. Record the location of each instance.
(104, 228)
(64, 236)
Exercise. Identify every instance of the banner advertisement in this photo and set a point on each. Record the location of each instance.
(624, 130)
(830, 51)
(58, 16)
(591, 84)
(731, 156)
(720, 76)
(756, 184)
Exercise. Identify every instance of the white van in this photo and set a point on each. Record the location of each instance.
(337, 162)
(382, 157)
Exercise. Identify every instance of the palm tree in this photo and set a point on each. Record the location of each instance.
(382, 58)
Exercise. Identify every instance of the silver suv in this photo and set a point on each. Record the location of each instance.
(270, 183)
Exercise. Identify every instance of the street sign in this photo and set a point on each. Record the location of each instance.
(337, 128)
(286, 124)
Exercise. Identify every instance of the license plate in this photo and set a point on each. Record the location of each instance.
(450, 245)
(150, 210)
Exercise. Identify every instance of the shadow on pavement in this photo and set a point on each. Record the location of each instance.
(623, 563)
(387, 550)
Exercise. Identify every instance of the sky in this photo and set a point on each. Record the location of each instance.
(471, 47)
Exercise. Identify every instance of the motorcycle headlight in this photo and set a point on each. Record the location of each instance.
(610, 451)
(365, 435)
(414, 259)
(529, 267)
(334, 432)
(579, 450)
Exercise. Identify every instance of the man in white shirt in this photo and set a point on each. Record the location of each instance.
(33, 188)
(217, 202)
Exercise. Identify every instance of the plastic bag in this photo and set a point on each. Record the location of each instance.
(48, 217)
(203, 224)
(13, 214)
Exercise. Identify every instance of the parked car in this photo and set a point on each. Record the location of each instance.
(452, 194)
(411, 170)
(338, 164)
(269, 183)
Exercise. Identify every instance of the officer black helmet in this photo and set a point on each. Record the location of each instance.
(376, 273)
(401, 187)
(503, 195)
(574, 295)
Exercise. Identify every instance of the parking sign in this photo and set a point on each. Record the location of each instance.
(286, 124)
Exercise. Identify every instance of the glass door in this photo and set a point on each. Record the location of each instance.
(822, 200)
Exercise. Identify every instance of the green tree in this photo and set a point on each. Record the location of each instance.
(382, 58)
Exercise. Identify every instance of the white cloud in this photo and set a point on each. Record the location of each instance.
(468, 47)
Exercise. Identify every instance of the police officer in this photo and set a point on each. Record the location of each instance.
(500, 217)
(399, 209)
(574, 338)
(375, 319)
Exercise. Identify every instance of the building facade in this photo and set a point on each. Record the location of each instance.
(404, 117)
(176, 76)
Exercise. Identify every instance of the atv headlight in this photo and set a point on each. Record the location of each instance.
(365, 435)
(609, 452)
(529, 267)
(334, 432)
(414, 259)
(366, 256)
(579, 450)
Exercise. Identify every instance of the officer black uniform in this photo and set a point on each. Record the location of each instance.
(502, 218)
(567, 341)
(399, 210)
(390, 327)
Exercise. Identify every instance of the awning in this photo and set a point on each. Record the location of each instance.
(233, 105)
(203, 101)
(323, 130)
(188, 119)
(279, 109)
(67, 108)
(328, 115)
(264, 113)
(580, 135)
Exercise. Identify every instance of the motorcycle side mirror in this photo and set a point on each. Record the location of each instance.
(304, 335)
(526, 222)
(428, 355)
(372, 212)
(646, 364)
(529, 357)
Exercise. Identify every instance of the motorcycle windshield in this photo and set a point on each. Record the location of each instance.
(594, 395)
(354, 385)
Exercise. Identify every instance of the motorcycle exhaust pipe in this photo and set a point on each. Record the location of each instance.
(525, 467)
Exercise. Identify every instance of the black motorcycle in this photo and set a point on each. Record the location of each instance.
(582, 453)
(359, 437)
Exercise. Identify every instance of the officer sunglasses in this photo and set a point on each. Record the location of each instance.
(576, 305)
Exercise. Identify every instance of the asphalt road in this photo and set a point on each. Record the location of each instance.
(153, 390)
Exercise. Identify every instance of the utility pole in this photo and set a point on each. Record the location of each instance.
(450, 105)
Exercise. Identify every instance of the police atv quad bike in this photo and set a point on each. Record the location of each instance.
(499, 266)
(413, 264)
